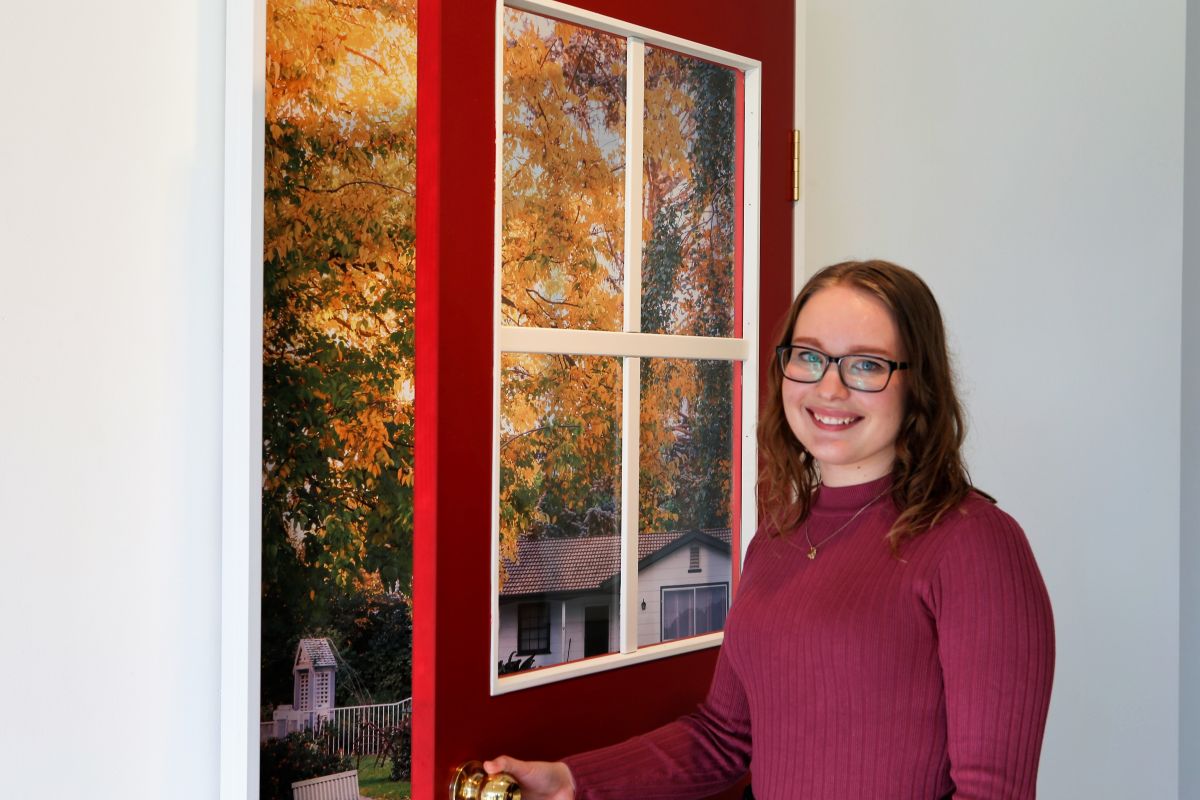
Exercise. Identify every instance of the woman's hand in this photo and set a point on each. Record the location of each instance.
(540, 780)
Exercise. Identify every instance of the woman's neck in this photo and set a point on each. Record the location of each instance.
(837, 475)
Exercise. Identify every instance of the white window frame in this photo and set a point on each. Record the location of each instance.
(630, 344)
(241, 397)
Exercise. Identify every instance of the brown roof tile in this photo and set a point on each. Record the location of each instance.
(582, 563)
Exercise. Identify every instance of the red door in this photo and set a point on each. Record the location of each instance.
(456, 718)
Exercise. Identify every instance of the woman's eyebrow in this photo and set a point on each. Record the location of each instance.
(858, 349)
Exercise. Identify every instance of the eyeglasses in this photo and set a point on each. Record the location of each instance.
(860, 373)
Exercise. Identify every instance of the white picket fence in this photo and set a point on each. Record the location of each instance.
(342, 786)
(358, 729)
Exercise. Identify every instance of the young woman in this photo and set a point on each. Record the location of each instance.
(892, 637)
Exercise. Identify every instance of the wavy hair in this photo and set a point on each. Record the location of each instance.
(929, 475)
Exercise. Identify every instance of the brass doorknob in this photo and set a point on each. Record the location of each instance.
(471, 782)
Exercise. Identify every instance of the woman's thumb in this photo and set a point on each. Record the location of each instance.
(502, 764)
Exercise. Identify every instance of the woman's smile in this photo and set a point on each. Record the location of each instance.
(832, 420)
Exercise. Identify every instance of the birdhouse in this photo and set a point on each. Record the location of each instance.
(314, 676)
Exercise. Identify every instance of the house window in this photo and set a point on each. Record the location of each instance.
(694, 558)
(533, 628)
(693, 610)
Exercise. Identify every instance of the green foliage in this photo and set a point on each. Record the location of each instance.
(399, 738)
(373, 635)
(376, 781)
(295, 757)
(514, 663)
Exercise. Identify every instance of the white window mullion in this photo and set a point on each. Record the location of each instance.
(752, 134)
(631, 435)
(497, 345)
(635, 94)
(631, 393)
(620, 343)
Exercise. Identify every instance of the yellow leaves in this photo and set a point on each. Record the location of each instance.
(362, 60)
(365, 440)
(563, 199)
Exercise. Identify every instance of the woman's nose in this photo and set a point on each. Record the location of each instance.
(831, 384)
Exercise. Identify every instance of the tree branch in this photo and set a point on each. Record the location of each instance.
(536, 295)
(538, 429)
(348, 184)
(366, 57)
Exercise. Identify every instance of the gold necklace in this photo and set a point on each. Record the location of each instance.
(812, 548)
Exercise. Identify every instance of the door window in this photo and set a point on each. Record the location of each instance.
(626, 334)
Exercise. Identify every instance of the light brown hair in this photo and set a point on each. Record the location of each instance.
(929, 476)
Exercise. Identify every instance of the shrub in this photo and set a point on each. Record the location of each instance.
(400, 749)
(296, 757)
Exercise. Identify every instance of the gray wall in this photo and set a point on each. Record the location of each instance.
(110, 318)
(1189, 731)
(1027, 159)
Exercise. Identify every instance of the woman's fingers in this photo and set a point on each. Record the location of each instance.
(538, 779)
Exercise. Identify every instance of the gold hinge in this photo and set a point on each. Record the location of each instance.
(795, 165)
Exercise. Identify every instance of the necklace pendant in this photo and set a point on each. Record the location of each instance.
(812, 552)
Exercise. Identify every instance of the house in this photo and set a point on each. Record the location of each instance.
(559, 600)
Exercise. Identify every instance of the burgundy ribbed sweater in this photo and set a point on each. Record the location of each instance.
(860, 676)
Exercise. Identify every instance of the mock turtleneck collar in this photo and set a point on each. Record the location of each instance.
(838, 499)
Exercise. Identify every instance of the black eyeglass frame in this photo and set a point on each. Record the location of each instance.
(783, 355)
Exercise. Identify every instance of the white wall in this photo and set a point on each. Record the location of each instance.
(1189, 731)
(110, 318)
(1027, 159)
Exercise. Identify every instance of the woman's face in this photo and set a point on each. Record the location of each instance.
(851, 434)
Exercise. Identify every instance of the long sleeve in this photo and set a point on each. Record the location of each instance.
(996, 647)
(693, 757)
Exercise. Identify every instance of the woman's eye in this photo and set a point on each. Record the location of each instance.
(867, 366)
(807, 356)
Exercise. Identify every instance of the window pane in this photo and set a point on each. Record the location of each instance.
(533, 628)
(685, 498)
(686, 445)
(689, 215)
(711, 604)
(560, 457)
(676, 613)
(564, 182)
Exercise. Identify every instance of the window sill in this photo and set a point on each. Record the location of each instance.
(540, 676)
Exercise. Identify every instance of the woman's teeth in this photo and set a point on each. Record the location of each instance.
(833, 420)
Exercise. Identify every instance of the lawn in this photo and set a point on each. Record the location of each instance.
(373, 782)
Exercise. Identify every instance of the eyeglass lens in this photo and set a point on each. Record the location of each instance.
(858, 372)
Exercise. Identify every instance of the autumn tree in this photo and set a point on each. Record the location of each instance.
(338, 312)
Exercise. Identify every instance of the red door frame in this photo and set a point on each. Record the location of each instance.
(455, 717)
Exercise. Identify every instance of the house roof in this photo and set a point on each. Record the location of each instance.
(319, 652)
(587, 563)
